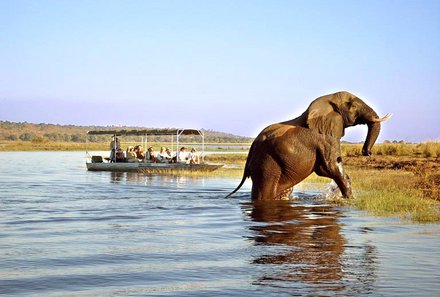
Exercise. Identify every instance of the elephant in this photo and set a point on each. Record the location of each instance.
(285, 153)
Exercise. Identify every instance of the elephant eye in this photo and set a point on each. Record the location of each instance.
(353, 103)
(354, 107)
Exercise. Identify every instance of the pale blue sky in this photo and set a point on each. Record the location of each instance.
(232, 66)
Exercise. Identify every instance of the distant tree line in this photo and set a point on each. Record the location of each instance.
(23, 131)
(47, 136)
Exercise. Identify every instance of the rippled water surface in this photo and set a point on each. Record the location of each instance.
(68, 232)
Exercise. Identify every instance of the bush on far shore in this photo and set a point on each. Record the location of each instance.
(424, 149)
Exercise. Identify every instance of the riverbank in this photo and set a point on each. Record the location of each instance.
(408, 187)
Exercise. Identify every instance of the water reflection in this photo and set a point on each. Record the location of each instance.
(122, 177)
(301, 246)
(177, 181)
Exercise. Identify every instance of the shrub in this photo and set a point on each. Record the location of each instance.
(39, 139)
(429, 149)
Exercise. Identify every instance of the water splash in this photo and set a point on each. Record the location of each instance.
(332, 192)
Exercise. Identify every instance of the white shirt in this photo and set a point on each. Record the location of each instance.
(182, 156)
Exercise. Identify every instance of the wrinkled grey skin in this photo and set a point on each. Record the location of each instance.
(284, 154)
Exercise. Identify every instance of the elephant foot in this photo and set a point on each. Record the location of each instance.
(348, 194)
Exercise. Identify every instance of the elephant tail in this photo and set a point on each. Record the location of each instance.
(245, 176)
(246, 172)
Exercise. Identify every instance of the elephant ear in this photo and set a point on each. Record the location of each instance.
(326, 120)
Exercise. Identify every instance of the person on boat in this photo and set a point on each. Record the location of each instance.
(194, 157)
(182, 155)
(131, 155)
(120, 155)
(169, 155)
(114, 145)
(151, 155)
(162, 156)
(139, 151)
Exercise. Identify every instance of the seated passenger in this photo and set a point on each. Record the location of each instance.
(182, 155)
(151, 155)
(194, 157)
(120, 155)
(162, 156)
(131, 155)
(139, 151)
(169, 155)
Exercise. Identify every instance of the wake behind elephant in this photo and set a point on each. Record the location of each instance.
(286, 153)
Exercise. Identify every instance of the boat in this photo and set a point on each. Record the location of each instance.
(96, 162)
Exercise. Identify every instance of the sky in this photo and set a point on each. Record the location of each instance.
(233, 66)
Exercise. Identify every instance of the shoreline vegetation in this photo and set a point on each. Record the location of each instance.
(399, 179)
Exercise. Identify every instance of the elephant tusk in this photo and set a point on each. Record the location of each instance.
(385, 118)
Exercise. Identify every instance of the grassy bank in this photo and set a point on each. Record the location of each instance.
(50, 146)
(393, 193)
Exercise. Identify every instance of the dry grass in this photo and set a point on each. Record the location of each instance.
(51, 146)
(393, 193)
(424, 172)
(236, 159)
(425, 149)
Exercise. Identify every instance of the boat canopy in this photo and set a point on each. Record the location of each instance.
(141, 132)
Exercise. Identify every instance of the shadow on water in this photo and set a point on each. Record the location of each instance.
(301, 247)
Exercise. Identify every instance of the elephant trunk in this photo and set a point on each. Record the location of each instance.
(373, 133)
(372, 120)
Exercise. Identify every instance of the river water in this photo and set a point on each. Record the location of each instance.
(65, 231)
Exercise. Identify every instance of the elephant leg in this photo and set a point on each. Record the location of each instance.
(344, 181)
(264, 187)
(265, 176)
(334, 169)
(271, 191)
